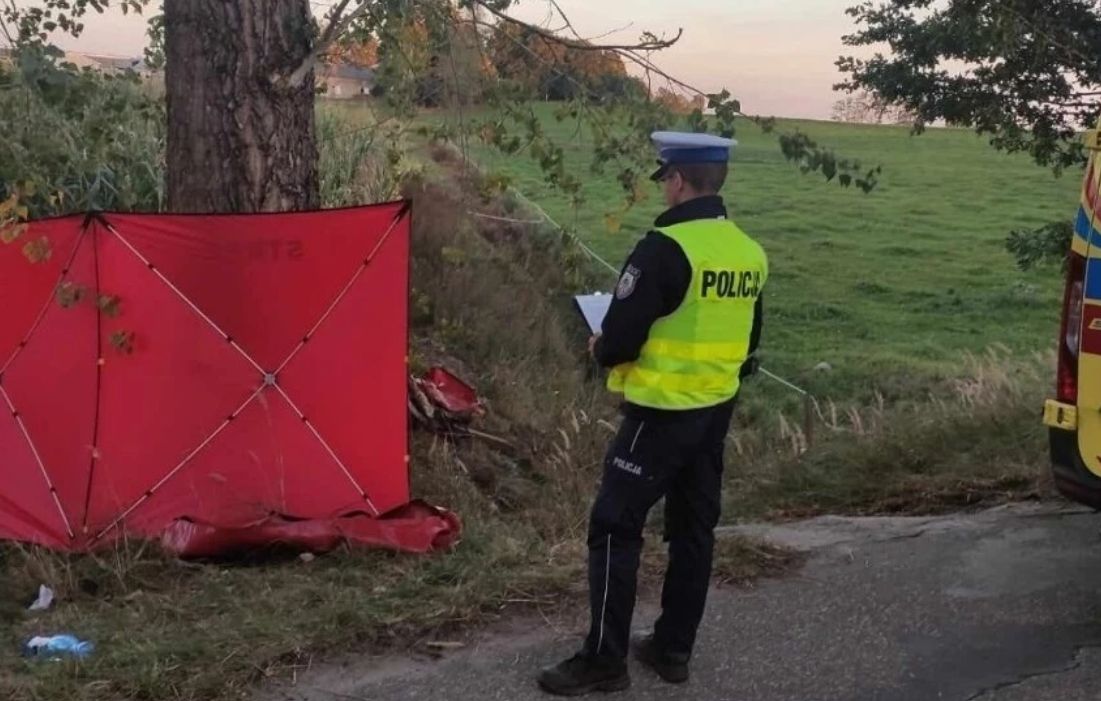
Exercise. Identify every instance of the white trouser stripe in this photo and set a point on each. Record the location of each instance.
(604, 605)
(637, 434)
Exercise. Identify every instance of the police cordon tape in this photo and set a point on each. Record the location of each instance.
(808, 398)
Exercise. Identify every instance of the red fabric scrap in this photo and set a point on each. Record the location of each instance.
(414, 528)
(451, 394)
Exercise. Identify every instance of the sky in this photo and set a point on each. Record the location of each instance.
(776, 56)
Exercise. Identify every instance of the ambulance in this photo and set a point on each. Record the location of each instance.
(1073, 417)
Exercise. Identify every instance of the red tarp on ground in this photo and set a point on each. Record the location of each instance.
(249, 384)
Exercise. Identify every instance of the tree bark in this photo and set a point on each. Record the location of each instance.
(239, 139)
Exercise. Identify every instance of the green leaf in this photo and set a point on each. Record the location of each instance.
(109, 305)
(123, 341)
(69, 294)
(10, 233)
(39, 250)
(1048, 244)
(7, 207)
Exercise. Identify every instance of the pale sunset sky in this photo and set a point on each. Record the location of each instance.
(776, 56)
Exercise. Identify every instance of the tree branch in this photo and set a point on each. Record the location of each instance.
(4, 25)
(651, 67)
(329, 32)
(1071, 105)
(579, 44)
(7, 34)
(1071, 52)
(332, 32)
(573, 30)
(626, 52)
(539, 59)
(526, 49)
(565, 18)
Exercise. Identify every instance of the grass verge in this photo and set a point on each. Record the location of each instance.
(973, 441)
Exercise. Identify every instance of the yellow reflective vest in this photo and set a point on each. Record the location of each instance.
(693, 356)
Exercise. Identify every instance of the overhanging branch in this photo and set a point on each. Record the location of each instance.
(1070, 51)
(338, 24)
(580, 44)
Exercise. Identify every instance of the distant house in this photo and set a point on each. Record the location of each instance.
(121, 64)
(118, 65)
(108, 64)
(343, 81)
(96, 62)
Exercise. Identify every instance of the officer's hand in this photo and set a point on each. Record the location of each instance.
(592, 344)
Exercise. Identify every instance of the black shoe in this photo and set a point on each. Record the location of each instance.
(582, 674)
(671, 667)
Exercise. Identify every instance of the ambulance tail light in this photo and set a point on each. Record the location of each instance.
(1070, 333)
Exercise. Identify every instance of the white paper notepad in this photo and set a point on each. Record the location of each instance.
(594, 308)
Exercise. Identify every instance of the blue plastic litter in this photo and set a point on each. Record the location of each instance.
(57, 647)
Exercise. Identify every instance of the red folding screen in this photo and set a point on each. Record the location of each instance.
(165, 374)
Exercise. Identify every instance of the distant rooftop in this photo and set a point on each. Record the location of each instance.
(349, 72)
(120, 63)
(97, 61)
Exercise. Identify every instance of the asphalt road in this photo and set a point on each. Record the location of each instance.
(1004, 605)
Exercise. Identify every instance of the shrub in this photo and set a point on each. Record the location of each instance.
(85, 140)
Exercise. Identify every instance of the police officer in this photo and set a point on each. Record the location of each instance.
(680, 335)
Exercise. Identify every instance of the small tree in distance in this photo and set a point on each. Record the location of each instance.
(1023, 72)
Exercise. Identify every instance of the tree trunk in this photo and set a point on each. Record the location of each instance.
(239, 140)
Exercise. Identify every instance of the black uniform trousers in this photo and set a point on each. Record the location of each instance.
(678, 456)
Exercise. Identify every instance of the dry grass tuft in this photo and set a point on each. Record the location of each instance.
(974, 441)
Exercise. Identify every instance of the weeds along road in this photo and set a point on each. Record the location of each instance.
(1002, 605)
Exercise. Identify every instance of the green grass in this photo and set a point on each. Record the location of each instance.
(171, 630)
(889, 288)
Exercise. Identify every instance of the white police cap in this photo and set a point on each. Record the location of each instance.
(675, 147)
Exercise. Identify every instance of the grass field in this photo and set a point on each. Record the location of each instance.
(891, 288)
